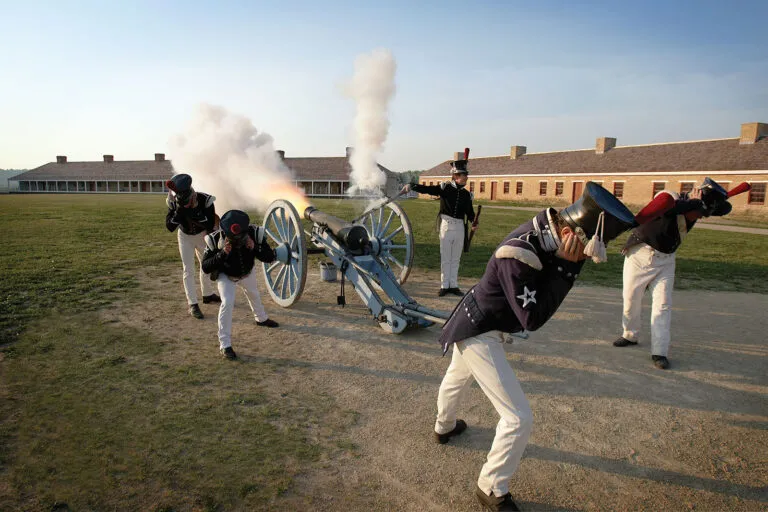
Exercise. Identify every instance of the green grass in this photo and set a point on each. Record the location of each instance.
(99, 416)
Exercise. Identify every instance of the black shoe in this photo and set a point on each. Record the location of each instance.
(623, 342)
(194, 310)
(456, 291)
(460, 427)
(443, 292)
(229, 353)
(213, 298)
(268, 323)
(660, 362)
(501, 503)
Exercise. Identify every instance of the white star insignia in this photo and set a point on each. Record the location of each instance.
(527, 296)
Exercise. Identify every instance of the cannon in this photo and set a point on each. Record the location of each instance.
(374, 254)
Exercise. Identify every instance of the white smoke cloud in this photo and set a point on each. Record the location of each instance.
(229, 158)
(372, 87)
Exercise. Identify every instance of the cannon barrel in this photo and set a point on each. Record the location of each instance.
(353, 237)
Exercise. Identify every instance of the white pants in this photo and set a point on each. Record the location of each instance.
(189, 246)
(227, 292)
(644, 268)
(451, 247)
(483, 358)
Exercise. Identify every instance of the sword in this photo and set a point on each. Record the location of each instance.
(474, 223)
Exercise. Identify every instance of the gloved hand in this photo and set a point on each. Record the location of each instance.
(406, 188)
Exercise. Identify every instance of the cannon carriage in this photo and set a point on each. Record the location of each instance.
(374, 254)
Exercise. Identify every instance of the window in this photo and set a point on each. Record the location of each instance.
(519, 188)
(431, 183)
(658, 186)
(506, 187)
(542, 188)
(482, 187)
(686, 187)
(424, 182)
(559, 188)
(618, 189)
(756, 194)
(472, 186)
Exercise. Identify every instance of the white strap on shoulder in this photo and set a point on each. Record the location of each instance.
(526, 256)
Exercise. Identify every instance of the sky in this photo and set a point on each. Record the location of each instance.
(87, 78)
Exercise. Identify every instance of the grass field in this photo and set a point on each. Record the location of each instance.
(98, 416)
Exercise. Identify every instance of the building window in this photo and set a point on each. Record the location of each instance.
(431, 183)
(559, 188)
(506, 187)
(482, 187)
(658, 186)
(472, 186)
(756, 194)
(519, 188)
(686, 187)
(618, 189)
(542, 188)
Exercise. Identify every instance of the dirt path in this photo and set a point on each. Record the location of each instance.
(610, 431)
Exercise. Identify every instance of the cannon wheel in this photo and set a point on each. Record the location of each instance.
(391, 226)
(286, 275)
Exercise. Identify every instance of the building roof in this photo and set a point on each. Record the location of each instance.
(708, 156)
(332, 168)
(117, 170)
(305, 169)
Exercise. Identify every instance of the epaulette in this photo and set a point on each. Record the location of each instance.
(258, 233)
(209, 199)
(443, 184)
(520, 252)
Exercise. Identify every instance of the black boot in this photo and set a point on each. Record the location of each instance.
(443, 292)
(623, 342)
(660, 362)
(268, 323)
(212, 298)
(460, 427)
(194, 310)
(456, 291)
(494, 503)
(229, 353)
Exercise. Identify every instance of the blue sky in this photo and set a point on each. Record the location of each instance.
(85, 78)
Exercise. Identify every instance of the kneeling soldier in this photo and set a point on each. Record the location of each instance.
(229, 258)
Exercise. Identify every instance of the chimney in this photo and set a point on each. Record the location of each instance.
(61, 159)
(753, 132)
(109, 158)
(604, 144)
(516, 152)
(349, 151)
(159, 157)
(281, 154)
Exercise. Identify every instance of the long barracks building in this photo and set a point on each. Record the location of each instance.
(315, 176)
(633, 173)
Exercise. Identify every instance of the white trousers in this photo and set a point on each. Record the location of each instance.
(644, 268)
(189, 246)
(483, 358)
(227, 293)
(451, 247)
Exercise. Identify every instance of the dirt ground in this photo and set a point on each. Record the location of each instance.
(611, 432)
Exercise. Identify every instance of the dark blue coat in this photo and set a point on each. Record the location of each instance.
(521, 288)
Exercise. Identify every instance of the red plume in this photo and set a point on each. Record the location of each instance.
(466, 153)
(169, 185)
(235, 229)
(656, 208)
(739, 189)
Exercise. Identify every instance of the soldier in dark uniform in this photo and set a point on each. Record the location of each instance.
(455, 207)
(525, 282)
(650, 264)
(230, 258)
(194, 214)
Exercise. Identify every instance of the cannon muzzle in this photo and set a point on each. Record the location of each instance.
(353, 237)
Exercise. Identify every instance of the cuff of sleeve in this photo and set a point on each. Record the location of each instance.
(567, 269)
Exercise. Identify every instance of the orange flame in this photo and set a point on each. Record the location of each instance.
(289, 193)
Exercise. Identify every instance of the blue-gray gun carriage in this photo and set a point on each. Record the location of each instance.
(374, 254)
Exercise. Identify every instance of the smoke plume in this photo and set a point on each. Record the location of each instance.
(372, 87)
(229, 158)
